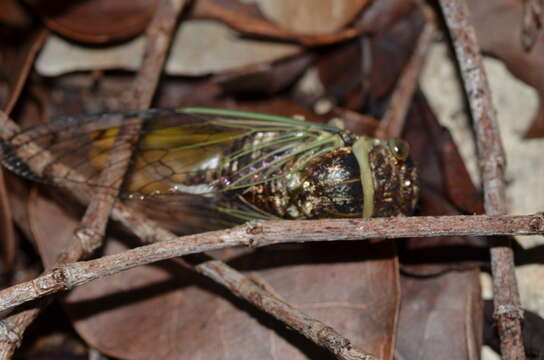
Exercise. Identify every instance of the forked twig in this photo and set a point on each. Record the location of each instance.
(492, 163)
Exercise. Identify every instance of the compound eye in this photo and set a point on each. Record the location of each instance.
(399, 148)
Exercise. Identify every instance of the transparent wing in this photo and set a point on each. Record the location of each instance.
(82, 144)
(180, 151)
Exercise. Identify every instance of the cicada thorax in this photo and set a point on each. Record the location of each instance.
(326, 186)
(331, 186)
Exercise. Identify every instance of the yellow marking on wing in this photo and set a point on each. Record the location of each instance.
(165, 156)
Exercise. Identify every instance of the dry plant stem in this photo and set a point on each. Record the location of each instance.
(492, 162)
(257, 234)
(91, 231)
(393, 121)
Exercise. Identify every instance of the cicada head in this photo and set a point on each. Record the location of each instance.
(371, 178)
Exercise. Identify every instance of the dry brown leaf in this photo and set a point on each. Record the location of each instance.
(310, 17)
(246, 18)
(14, 14)
(200, 47)
(362, 73)
(456, 185)
(264, 78)
(96, 21)
(432, 255)
(167, 311)
(382, 14)
(498, 27)
(441, 317)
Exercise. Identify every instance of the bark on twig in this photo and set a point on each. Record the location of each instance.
(89, 235)
(257, 234)
(392, 122)
(492, 163)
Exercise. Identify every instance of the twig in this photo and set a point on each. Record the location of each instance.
(492, 162)
(257, 234)
(392, 122)
(93, 224)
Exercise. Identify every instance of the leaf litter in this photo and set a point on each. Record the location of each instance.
(375, 294)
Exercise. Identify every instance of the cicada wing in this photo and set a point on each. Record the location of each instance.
(179, 153)
(180, 213)
(170, 148)
(188, 214)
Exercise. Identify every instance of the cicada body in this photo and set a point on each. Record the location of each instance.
(227, 167)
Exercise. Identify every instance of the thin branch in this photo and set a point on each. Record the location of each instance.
(257, 234)
(492, 163)
(393, 121)
(159, 37)
(90, 233)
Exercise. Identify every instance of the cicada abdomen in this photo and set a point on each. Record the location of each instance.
(232, 166)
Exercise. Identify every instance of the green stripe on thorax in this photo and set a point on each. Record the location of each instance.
(361, 149)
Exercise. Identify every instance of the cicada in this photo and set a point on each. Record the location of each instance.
(226, 167)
